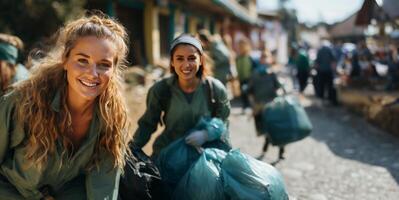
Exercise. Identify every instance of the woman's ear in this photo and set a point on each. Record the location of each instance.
(64, 66)
(202, 59)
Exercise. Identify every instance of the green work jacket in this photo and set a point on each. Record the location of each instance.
(181, 115)
(66, 177)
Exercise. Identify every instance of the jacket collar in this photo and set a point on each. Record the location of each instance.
(172, 80)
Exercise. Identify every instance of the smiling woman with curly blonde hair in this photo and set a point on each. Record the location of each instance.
(64, 132)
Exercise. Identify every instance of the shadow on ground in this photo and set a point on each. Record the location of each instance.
(352, 137)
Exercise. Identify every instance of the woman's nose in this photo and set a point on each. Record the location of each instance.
(186, 64)
(93, 70)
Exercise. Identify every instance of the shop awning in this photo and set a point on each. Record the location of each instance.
(237, 10)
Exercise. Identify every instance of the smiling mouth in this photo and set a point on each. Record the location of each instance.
(89, 84)
(186, 71)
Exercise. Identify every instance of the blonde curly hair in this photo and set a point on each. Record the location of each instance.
(48, 78)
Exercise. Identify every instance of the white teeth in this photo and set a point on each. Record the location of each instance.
(88, 84)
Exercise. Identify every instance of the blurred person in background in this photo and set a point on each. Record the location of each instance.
(338, 52)
(10, 70)
(293, 71)
(393, 68)
(245, 65)
(262, 89)
(325, 66)
(356, 69)
(234, 83)
(303, 67)
(366, 59)
(219, 53)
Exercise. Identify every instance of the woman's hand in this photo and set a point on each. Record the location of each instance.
(197, 138)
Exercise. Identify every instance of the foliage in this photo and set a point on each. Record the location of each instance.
(35, 20)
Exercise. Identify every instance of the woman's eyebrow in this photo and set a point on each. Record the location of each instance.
(82, 54)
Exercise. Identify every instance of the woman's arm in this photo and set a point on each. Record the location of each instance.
(7, 106)
(148, 123)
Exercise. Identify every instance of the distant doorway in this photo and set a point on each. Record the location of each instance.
(164, 29)
(133, 20)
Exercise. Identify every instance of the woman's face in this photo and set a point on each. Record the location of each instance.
(186, 61)
(89, 67)
(6, 73)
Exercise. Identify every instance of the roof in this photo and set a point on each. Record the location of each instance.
(237, 10)
(347, 28)
(268, 14)
(370, 9)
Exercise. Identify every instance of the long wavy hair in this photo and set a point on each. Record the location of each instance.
(48, 77)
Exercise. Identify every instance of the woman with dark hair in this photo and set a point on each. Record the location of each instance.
(10, 70)
(184, 94)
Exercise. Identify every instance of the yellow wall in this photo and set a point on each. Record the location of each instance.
(151, 30)
(192, 26)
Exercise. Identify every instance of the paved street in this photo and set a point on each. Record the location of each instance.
(344, 158)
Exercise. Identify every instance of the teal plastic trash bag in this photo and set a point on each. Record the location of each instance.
(174, 161)
(203, 180)
(285, 120)
(247, 178)
(214, 126)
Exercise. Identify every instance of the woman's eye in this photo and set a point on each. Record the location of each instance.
(104, 65)
(83, 61)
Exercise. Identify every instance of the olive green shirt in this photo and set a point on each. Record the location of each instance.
(244, 67)
(67, 177)
(181, 115)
